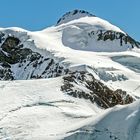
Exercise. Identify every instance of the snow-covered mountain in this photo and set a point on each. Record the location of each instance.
(76, 80)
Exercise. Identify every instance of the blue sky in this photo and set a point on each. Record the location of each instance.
(39, 14)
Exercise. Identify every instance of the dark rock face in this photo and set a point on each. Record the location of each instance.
(112, 35)
(10, 53)
(74, 13)
(13, 53)
(1, 37)
(94, 90)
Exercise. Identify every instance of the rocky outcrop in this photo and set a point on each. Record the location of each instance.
(84, 85)
(75, 14)
(19, 62)
(113, 35)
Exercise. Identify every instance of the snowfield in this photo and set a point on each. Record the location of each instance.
(39, 110)
(33, 104)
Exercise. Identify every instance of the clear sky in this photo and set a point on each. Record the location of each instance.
(39, 14)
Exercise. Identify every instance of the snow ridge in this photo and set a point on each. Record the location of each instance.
(75, 14)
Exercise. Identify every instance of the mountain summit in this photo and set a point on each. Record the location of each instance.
(84, 31)
(75, 14)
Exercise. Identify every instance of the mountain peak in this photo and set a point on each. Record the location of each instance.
(75, 14)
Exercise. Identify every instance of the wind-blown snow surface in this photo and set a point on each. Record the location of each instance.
(38, 109)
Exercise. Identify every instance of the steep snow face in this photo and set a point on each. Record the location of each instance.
(118, 123)
(95, 34)
(83, 31)
(76, 14)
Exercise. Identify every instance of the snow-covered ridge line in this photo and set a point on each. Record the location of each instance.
(72, 15)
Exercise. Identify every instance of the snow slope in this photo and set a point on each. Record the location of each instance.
(44, 112)
(56, 80)
(49, 116)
